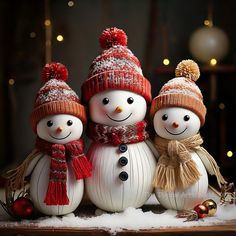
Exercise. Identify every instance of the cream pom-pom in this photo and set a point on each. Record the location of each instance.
(188, 69)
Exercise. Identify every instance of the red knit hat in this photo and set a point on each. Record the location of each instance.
(115, 68)
(56, 97)
(182, 91)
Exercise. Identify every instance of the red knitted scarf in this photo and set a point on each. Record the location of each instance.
(116, 135)
(61, 155)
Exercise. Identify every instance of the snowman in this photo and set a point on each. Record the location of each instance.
(58, 165)
(178, 112)
(117, 94)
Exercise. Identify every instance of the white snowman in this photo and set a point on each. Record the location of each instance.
(57, 165)
(178, 112)
(121, 156)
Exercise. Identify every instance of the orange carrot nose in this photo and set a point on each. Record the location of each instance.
(118, 109)
(59, 129)
(175, 125)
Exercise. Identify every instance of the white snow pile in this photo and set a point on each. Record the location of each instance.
(131, 219)
(136, 219)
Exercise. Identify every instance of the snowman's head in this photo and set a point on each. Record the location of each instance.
(60, 128)
(117, 107)
(176, 123)
(178, 110)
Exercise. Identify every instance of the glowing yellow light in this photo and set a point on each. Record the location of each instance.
(32, 35)
(60, 38)
(213, 62)
(11, 81)
(229, 154)
(208, 23)
(47, 22)
(222, 106)
(166, 61)
(71, 3)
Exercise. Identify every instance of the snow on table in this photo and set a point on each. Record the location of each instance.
(131, 219)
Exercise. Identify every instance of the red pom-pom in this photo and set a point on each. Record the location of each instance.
(111, 37)
(54, 71)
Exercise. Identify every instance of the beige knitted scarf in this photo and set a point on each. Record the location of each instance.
(176, 169)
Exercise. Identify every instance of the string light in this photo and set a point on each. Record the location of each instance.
(229, 154)
(71, 3)
(60, 38)
(47, 22)
(213, 62)
(222, 106)
(208, 23)
(32, 35)
(11, 82)
(166, 61)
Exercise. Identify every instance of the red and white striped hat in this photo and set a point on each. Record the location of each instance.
(182, 91)
(115, 68)
(55, 96)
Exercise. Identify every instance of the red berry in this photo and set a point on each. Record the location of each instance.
(22, 207)
(201, 210)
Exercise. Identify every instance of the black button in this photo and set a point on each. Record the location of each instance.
(123, 148)
(123, 161)
(123, 176)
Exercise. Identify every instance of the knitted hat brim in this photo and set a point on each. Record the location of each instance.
(179, 100)
(116, 79)
(58, 107)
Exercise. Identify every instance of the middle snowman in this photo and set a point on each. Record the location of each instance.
(117, 94)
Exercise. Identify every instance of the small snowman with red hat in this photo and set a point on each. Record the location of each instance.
(57, 165)
(117, 95)
(178, 112)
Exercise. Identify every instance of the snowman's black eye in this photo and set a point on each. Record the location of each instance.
(69, 122)
(49, 123)
(165, 117)
(105, 101)
(130, 100)
(186, 118)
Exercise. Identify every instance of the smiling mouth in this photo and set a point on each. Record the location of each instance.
(60, 138)
(119, 120)
(177, 133)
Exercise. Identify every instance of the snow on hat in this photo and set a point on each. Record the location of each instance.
(56, 97)
(115, 68)
(182, 91)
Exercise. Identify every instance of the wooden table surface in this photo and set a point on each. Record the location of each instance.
(225, 230)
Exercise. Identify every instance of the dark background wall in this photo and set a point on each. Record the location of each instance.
(23, 56)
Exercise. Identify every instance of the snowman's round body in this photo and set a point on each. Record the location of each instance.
(188, 198)
(55, 129)
(39, 184)
(122, 174)
(106, 189)
(176, 123)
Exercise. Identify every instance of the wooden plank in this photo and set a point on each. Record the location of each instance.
(215, 230)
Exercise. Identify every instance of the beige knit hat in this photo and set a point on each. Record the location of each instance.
(182, 91)
(55, 96)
